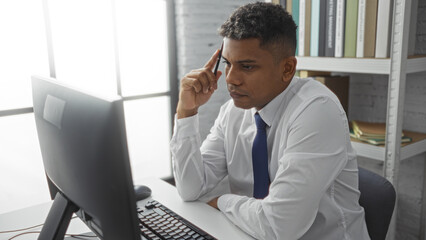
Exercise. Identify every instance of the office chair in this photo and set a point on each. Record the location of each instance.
(378, 200)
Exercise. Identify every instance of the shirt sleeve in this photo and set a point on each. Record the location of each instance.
(197, 167)
(314, 153)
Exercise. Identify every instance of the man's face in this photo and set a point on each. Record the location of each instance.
(252, 76)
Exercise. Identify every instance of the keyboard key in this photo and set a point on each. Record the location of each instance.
(156, 228)
(157, 220)
(165, 223)
(159, 211)
(146, 212)
(149, 206)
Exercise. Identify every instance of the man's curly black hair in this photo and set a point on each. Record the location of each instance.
(268, 22)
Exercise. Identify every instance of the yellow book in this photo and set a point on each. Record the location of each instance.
(378, 141)
(373, 133)
(306, 74)
(367, 129)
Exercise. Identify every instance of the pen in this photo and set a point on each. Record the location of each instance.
(218, 60)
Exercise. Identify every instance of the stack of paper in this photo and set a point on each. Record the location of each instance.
(373, 133)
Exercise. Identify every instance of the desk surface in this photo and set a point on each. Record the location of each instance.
(199, 213)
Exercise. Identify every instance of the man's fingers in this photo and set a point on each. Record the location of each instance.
(197, 86)
(203, 80)
(206, 77)
(192, 83)
(212, 61)
(206, 81)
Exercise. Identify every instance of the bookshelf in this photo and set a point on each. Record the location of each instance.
(396, 67)
(417, 146)
(371, 66)
(358, 65)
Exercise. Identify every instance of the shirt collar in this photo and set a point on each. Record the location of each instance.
(268, 112)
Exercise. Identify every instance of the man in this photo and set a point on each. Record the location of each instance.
(282, 141)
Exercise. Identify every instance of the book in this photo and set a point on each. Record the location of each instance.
(306, 74)
(315, 20)
(384, 23)
(301, 28)
(377, 141)
(280, 2)
(330, 28)
(373, 133)
(308, 28)
(340, 28)
(295, 15)
(360, 29)
(351, 28)
(370, 28)
(304, 27)
(413, 28)
(339, 85)
(289, 6)
(367, 129)
(318, 15)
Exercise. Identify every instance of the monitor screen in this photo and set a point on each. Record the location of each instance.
(84, 148)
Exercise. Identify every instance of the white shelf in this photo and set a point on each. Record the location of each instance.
(416, 64)
(378, 152)
(347, 65)
(357, 65)
(369, 151)
(413, 149)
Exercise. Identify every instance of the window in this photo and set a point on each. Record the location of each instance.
(142, 44)
(23, 51)
(107, 47)
(83, 44)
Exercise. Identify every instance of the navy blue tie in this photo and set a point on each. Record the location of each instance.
(260, 160)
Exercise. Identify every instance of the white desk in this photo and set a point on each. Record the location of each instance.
(202, 215)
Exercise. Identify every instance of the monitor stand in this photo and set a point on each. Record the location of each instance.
(58, 219)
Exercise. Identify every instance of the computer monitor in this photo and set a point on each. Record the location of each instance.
(84, 148)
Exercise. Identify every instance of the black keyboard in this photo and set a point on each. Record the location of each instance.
(159, 222)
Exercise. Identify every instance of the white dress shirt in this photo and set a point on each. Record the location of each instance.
(312, 166)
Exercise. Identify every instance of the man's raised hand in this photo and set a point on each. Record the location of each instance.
(197, 87)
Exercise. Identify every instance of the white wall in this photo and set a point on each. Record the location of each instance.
(197, 24)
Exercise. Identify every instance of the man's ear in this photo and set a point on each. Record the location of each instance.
(288, 68)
